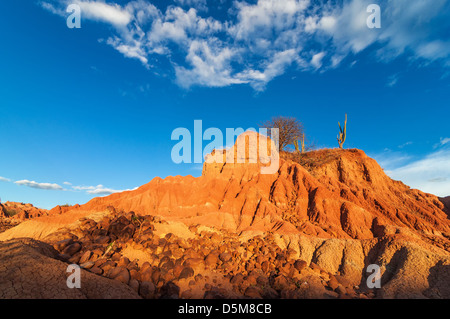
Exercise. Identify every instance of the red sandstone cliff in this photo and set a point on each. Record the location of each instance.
(334, 194)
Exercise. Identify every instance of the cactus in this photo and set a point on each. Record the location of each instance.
(343, 133)
(302, 143)
(296, 146)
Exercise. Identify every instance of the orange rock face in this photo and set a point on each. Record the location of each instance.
(328, 193)
(20, 211)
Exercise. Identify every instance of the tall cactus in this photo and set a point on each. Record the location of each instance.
(296, 146)
(342, 133)
(302, 141)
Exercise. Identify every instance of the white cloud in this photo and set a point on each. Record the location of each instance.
(51, 8)
(132, 50)
(442, 142)
(408, 27)
(110, 13)
(445, 140)
(328, 23)
(389, 160)
(316, 60)
(4, 179)
(33, 184)
(99, 190)
(210, 66)
(275, 67)
(252, 43)
(430, 174)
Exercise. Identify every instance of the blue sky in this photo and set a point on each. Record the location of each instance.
(90, 111)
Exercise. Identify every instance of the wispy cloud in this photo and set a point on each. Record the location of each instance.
(392, 80)
(316, 60)
(405, 144)
(390, 159)
(430, 173)
(99, 190)
(442, 142)
(33, 184)
(445, 140)
(255, 42)
(51, 8)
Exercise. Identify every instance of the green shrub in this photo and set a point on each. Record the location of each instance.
(10, 212)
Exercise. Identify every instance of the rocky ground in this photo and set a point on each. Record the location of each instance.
(130, 256)
(209, 265)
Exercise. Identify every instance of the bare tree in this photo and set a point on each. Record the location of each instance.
(290, 129)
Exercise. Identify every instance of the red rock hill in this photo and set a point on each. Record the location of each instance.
(328, 193)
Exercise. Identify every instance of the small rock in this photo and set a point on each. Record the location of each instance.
(123, 262)
(170, 291)
(134, 284)
(211, 260)
(72, 249)
(341, 290)
(224, 257)
(87, 265)
(300, 264)
(187, 272)
(120, 274)
(60, 245)
(280, 282)
(195, 263)
(156, 275)
(265, 266)
(147, 290)
(333, 283)
(85, 257)
(237, 279)
(146, 274)
(177, 270)
(102, 240)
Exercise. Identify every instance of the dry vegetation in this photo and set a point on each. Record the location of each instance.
(312, 159)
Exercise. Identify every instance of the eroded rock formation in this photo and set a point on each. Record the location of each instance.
(309, 230)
